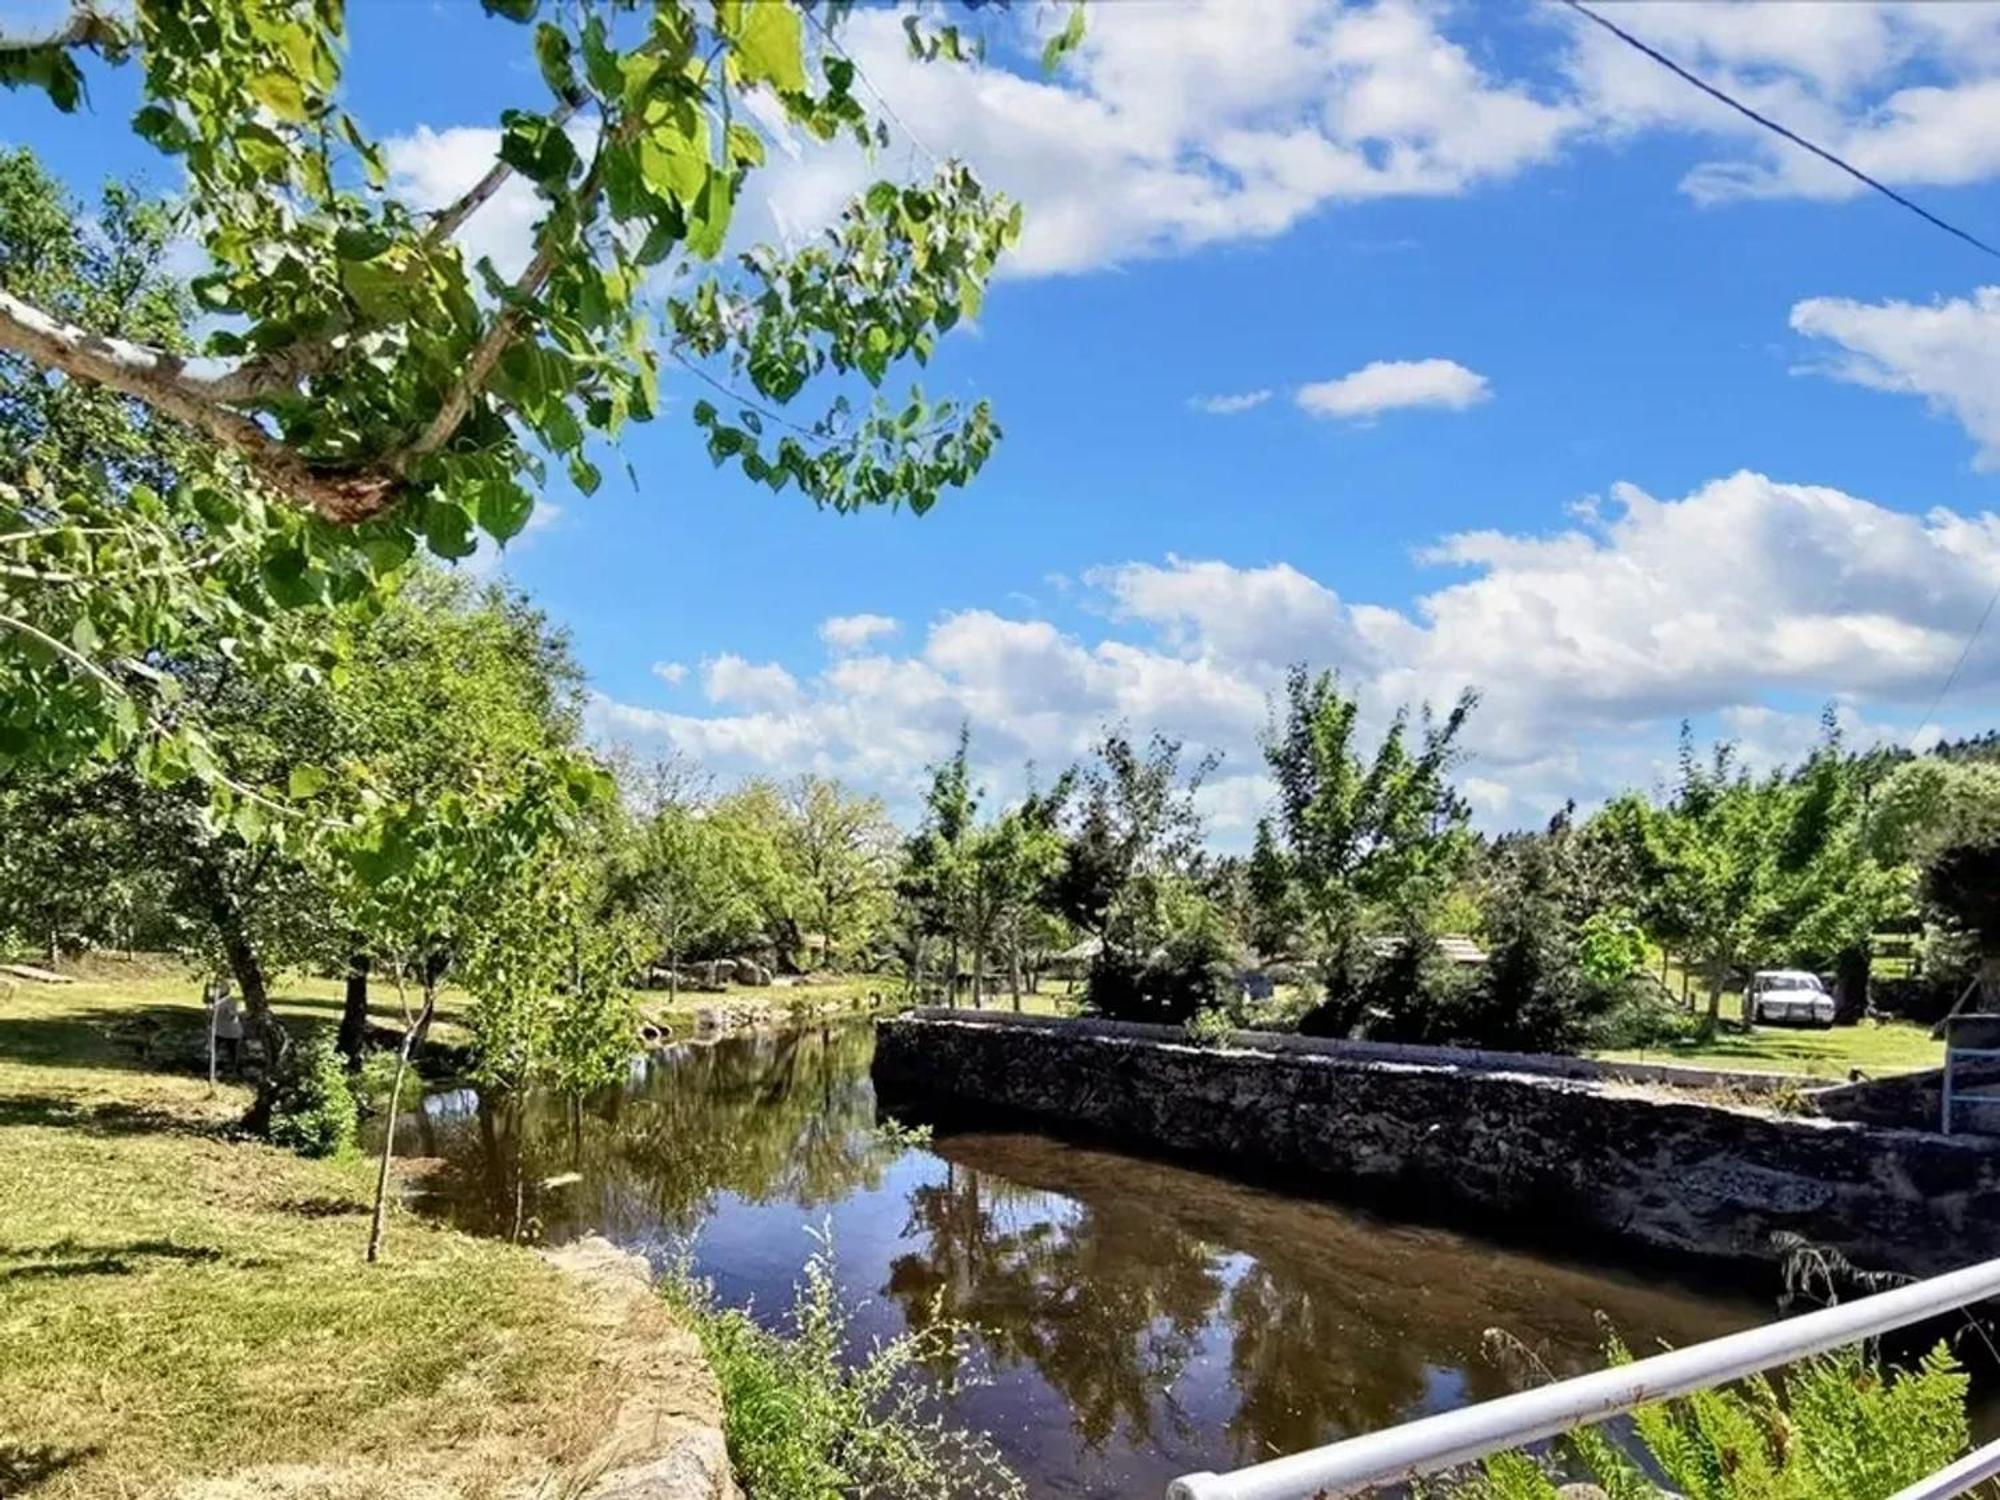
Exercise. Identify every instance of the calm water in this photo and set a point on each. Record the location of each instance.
(1142, 1320)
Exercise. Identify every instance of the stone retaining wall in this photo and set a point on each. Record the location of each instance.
(1552, 1157)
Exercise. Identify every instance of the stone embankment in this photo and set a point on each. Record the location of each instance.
(1548, 1148)
(665, 1435)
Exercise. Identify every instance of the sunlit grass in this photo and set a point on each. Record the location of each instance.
(1876, 1048)
(178, 1305)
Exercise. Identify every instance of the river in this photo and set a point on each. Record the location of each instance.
(1140, 1319)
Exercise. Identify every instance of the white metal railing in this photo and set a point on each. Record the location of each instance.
(1434, 1444)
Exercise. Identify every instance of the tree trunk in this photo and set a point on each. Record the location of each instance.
(354, 1010)
(1851, 970)
(389, 1126)
(247, 969)
(1714, 1020)
(952, 978)
(979, 974)
(1014, 959)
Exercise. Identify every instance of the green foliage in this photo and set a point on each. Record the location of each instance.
(1842, 1429)
(1364, 841)
(125, 541)
(314, 1110)
(807, 1415)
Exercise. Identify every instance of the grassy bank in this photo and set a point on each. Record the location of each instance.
(184, 1312)
(1877, 1048)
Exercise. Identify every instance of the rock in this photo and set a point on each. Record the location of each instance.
(751, 973)
(665, 1440)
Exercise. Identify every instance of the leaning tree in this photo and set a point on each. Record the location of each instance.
(383, 391)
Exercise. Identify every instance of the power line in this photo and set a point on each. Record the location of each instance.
(1769, 124)
(1958, 666)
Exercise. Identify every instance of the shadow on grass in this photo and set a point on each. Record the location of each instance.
(324, 1208)
(114, 1119)
(151, 1039)
(25, 1465)
(69, 1258)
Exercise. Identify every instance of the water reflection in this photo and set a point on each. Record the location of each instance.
(1140, 1320)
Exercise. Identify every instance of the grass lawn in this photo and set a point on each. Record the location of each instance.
(1875, 1047)
(186, 1313)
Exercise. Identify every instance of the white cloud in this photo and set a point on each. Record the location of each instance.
(1905, 92)
(1390, 384)
(431, 168)
(1948, 352)
(852, 632)
(1180, 126)
(1744, 605)
(672, 673)
(1176, 127)
(730, 680)
(1229, 406)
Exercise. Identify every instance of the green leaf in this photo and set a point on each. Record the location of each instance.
(504, 508)
(448, 529)
(771, 48)
(674, 164)
(306, 781)
(1065, 41)
(584, 474)
(553, 55)
(281, 94)
(513, 10)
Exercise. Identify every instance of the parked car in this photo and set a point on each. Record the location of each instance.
(1788, 997)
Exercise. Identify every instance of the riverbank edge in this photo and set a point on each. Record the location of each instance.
(1515, 1154)
(666, 1438)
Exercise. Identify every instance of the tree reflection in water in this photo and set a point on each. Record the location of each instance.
(1140, 1319)
(769, 1117)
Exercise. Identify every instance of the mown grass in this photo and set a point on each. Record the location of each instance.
(1877, 1048)
(186, 1312)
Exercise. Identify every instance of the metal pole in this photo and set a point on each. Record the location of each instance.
(1459, 1437)
(1956, 1480)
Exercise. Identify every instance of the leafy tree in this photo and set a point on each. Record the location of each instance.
(1012, 861)
(1834, 888)
(685, 879)
(841, 850)
(1943, 815)
(937, 875)
(1133, 875)
(478, 877)
(1362, 837)
(124, 539)
(1710, 871)
(390, 393)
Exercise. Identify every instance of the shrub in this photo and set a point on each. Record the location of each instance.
(1844, 1429)
(313, 1110)
(1166, 956)
(805, 1417)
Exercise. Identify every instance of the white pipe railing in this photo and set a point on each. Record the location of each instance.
(1434, 1444)
(1957, 1478)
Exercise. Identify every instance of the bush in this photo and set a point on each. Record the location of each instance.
(1845, 1429)
(1165, 958)
(805, 1417)
(313, 1110)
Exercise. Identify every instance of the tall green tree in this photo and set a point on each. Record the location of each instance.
(841, 849)
(937, 874)
(1943, 815)
(1366, 838)
(1711, 867)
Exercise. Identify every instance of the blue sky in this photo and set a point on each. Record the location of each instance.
(1575, 389)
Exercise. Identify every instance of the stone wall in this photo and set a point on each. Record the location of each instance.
(1555, 1158)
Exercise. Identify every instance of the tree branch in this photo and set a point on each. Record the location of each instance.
(453, 215)
(164, 382)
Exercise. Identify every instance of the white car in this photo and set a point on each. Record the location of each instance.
(1788, 997)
